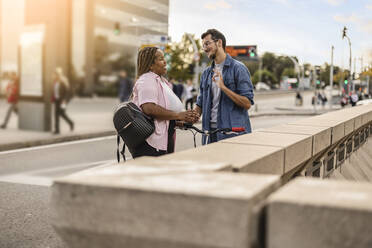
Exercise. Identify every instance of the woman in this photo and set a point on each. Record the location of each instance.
(60, 97)
(154, 95)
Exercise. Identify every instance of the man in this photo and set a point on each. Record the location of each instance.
(125, 86)
(226, 91)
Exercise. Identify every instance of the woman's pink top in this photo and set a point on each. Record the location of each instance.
(148, 89)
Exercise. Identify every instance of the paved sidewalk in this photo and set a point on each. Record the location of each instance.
(93, 118)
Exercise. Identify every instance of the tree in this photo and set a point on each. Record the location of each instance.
(276, 65)
(266, 76)
(289, 72)
(252, 66)
(282, 63)
(268, 61)
(340, 76)
(181, 57)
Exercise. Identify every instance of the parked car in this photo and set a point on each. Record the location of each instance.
(262, 86)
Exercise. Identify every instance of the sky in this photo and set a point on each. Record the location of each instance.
(306, 29)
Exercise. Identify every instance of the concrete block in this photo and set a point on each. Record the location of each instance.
(311, 213)
(349, 126)
(297, 147)
(191, 160)
(188, 210)
(358, 122)
(321, 135)
(338, 127)
(240, 158)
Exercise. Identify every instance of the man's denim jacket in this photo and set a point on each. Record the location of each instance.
(237, 78)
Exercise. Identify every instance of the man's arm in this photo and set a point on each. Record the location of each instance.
(239, 100)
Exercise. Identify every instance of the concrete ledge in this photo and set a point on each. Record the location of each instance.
(311, 213)
(158, 210)
(321, 135)
(297, 148)
(338, 127)
(240, 158)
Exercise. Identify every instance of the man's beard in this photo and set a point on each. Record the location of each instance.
(212, 56)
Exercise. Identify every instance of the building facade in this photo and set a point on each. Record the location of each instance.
(82, 35)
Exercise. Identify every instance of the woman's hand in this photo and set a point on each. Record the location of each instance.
(188, 116)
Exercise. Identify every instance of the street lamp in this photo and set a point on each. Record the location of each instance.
(348, 39)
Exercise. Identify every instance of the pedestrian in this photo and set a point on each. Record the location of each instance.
(61, 97)
(226, 90)
(12, 93)
(153, 94)
(298, 101)
(190, 92)
(323, 98)
(177, 88)
(354, 98)
(125, 86)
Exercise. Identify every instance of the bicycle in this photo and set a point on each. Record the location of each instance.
(194, 130)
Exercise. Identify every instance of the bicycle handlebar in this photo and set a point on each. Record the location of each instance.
(234, 129)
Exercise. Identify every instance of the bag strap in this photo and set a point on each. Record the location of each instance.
(138, 111)
(122, 150)
(117, 148)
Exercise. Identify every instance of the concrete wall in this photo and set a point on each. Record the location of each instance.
(227, 194)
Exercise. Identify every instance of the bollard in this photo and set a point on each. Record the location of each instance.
(340, 155)
(329, 163)
(361, 137)
(349, 147)
(356, 141)
(314, 171)
(366, 132)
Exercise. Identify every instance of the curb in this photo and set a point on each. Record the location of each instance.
(284, 114)
(48, 141)
(67, 138)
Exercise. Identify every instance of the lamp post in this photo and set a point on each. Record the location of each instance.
(331, 79)
(348, 39)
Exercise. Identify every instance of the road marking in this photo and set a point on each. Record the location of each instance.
(57, 145)
(38, 177)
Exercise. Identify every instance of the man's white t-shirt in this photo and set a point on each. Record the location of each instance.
(216, 94)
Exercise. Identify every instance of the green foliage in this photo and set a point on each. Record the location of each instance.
(340, 76)
(252, 66)
(276, 65)
(289, 72)
(266, 76)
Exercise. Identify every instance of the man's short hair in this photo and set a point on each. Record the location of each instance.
(216, 35)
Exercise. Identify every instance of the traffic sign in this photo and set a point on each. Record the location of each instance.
(248, 52)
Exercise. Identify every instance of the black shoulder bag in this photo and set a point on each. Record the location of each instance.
(132, 125)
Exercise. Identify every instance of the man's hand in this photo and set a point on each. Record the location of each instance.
(219, 82)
